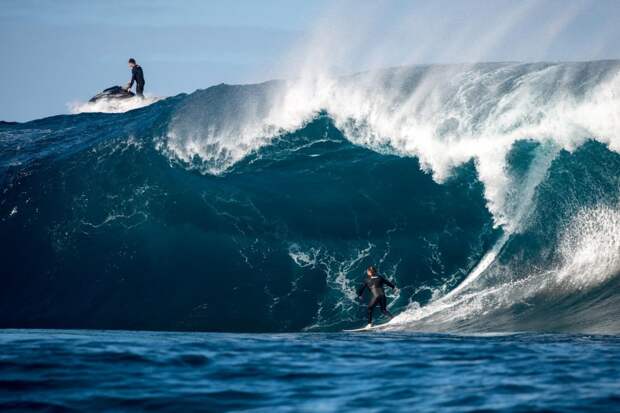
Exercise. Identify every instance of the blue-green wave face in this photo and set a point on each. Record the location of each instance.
(489, 193)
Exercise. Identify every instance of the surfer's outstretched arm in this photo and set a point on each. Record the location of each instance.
(388, 282)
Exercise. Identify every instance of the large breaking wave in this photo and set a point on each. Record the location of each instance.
(489, 192)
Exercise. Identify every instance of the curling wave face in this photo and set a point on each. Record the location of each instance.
(489, 192)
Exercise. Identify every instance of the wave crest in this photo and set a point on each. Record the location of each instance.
(443, 115)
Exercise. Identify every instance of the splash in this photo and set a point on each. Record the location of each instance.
(112, 105)
(590, 248)
(588, 257)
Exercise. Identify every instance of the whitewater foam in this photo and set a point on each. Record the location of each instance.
(589, 255)
(443, 115)
(112, 105)
(590, 248)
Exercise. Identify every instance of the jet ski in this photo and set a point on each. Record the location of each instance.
(114, 92)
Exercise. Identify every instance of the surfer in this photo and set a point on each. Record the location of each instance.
(374, 282)
(137, 75)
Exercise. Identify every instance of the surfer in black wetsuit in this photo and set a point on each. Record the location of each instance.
(375, 282)
(137, 75)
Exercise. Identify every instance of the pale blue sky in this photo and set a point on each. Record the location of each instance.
(56, 52)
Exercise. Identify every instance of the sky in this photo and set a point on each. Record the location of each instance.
(57, 52)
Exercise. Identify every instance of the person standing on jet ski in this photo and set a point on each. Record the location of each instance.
(137, 75)
(375, 282)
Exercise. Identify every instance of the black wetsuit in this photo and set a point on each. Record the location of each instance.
(375, 285)
(137, 75)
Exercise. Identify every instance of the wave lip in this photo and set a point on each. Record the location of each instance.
(445, 115)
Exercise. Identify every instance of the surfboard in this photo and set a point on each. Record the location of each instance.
(359, 330)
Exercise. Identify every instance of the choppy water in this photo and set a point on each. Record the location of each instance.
(60, 370)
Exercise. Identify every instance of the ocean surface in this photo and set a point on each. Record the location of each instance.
(82, 370)
(488, 193)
